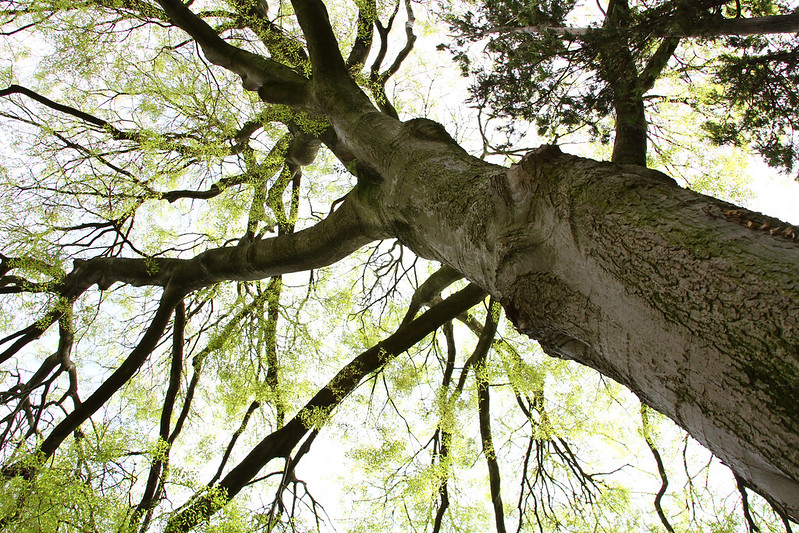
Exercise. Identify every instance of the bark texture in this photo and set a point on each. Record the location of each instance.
(682, 298)
(690, 302)
(670, 293)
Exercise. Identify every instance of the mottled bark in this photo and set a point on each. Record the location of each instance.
(678, 296)
(614, 266)
(691, 303)
(667, 291)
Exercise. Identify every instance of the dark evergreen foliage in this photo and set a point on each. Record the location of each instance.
(760, 79)
(563, 76)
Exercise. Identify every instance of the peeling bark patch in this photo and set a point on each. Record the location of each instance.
(522, 179)
(752, 221)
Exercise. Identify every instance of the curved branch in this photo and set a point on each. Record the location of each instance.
(272, 163)
(656, 64)
(750, 522)
(170, 298)
(35, 330)
(367, 13)
(332, 239)
(317, 410)
(484, 410)
(444, 276)
(273, 81)
(154, 479)
(116, 133)
(410, 40)
(138, 7)
(661, 469)
(326, 60)
(383, 31)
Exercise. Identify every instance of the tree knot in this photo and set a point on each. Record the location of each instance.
(546, 152)
(428, 130)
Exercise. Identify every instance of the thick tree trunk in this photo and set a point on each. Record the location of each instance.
(630, 143)
(667, 291)
(691, 304)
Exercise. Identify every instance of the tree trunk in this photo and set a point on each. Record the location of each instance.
(690, 303)
(680, 297)
(630, 143)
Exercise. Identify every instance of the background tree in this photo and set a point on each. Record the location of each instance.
(168, 320)
(554, 64)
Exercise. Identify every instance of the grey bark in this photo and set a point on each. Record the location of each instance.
(690, 303)
(614, 266)
(665, 290)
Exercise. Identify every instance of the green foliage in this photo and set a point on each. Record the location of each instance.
(565, 83)
(527, 77)
(176, 159)
(760, 77)
(84, 489)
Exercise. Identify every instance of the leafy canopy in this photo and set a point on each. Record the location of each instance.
(128, 154)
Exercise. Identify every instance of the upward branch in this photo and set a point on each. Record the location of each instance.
(334, 89)
(273, 81)
(326, 60)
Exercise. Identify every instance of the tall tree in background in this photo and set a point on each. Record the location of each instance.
(125, 328)
(565, 78)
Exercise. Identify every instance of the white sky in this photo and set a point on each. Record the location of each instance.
(776, 195)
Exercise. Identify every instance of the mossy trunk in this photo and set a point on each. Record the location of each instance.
(690, 302)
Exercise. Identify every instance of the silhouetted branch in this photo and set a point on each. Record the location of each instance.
(661, 469)
(281, 442)
(484, 411)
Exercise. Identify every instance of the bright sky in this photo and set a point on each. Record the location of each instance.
(776, 195)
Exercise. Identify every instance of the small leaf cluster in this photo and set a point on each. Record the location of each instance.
(761, 76)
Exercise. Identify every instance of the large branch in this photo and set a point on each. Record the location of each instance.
(281, 442)
(691, 303)
(741, 26)
(330, 240)
(272, 81)
(323, 244)
(711, 27)
(367, 15)
(326, 59)
(334, 91)
(656, 63)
